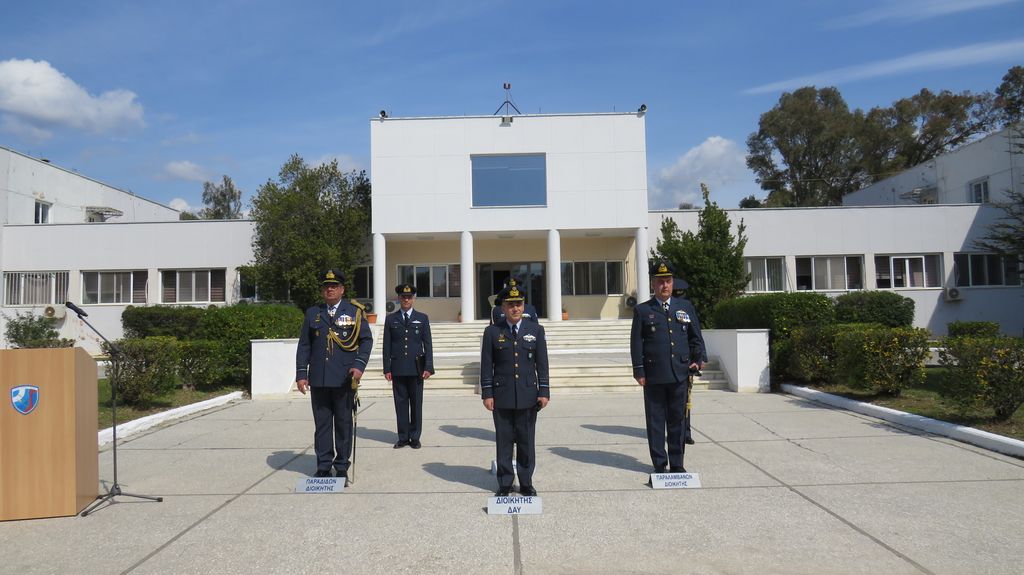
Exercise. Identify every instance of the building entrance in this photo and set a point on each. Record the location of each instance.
(491, 276)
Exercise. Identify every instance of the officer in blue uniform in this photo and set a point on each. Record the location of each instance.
(498, 315)
(408, 360)
(514, 386)
(665, 342)
(679, 287)
(334, 346)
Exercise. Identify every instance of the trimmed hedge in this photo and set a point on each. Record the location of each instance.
(885, 360)
(201, 363)
(779, 312)
(973, 329)
(144, 370)
(180, 322)
(986, 370)
(871, 306)
(230, 327)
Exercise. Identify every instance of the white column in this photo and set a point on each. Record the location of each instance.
(643, 283)
(554, 273)
(467, 268)
(380, 275)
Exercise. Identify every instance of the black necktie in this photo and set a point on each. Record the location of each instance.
(405, 318)
(513, 332)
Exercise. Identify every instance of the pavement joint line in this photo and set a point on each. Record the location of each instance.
(517, 556)
(840, 518)
(212, 512)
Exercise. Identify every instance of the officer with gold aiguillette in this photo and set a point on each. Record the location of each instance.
(334, 346)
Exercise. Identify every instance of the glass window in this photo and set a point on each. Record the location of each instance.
(42, 215)
(829, 273)
(35, 288)
(986, 270)
(765, 274)
(194, 286)
(979, 192)
(615, 280)
(423, 281)
(567, 277)
(362, 283)
(455, 280)
(918, 271)
(114, 287)
(509, 180)
(439, 281)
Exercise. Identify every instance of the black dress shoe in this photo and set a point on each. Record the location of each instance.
(415, 443)
(401, 443)
(659, 469)
(677, 469)
(688, 441)
(322, 473)
(503, 491)
(527, 490)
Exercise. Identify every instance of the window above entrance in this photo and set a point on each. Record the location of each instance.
(509, 180)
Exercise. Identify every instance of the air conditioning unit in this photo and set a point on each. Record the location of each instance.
(54, 311)
(954, 294)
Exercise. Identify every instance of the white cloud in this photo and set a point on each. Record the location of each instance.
(718, 162)
(35, 97)
(913, 11)
(346, 163)
(920, 61)
(182, 206)
(186, 170)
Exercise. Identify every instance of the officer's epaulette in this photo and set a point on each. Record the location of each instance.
(357, 304)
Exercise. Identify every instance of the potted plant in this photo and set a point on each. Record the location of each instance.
(565, 313)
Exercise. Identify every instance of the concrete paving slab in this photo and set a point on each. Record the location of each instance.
(110, 540)
(760, 530)
(939, 523)
(345, 533)
(873, 459)
(817, 423)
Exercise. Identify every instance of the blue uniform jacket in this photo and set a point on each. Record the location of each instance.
(325, 368)
(407, 349)
(514, 373)
(663, 345)
(529, 314)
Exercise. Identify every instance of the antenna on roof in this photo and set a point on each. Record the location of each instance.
(508, 102)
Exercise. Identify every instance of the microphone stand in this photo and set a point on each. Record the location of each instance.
(115, 487)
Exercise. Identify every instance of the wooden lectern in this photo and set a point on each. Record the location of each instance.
(49, 464)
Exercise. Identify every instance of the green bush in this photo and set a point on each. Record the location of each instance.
(988, 370)
(973, 329)
(779, 312)
(180, 322)
(144, 370)
(885, 360)
(201, 363)
(30, 331)
(870, 306)
(811, 353)
(233, 327)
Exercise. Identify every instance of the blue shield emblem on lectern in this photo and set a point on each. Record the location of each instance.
(25, 398)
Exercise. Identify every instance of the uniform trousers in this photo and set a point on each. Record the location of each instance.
(515, 427)
(408, 391)
(332, 418)
(665, 410)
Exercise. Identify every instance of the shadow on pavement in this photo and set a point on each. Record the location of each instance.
(298, 462)
(605, 458)
(473, 476)
(471, 432)
(618, 430)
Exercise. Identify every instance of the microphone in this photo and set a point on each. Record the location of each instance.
(76, 309)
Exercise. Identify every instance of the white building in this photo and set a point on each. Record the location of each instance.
(66, 237)
(462, 203)
(976, 173)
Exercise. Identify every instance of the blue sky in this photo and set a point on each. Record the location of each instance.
(158, 97)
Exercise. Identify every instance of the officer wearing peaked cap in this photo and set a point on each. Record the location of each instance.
(498, 316)
(334, 346)
(408, 360)
(665, 342)
(514, 386)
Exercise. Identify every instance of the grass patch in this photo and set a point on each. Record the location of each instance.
(929, 400)
(176, 398)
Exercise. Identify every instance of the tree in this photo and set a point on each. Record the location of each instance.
(685, 205)
(916, 129)
(223, 201)
(805, 151)
(186, 215)
(1010, 96)
(308, 220)
(751, 202)
(711, 260)
(1006, 236)
(31, 331)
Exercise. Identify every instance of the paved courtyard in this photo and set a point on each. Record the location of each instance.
(789, 486)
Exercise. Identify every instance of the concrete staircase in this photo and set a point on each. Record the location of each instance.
(584, 356)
